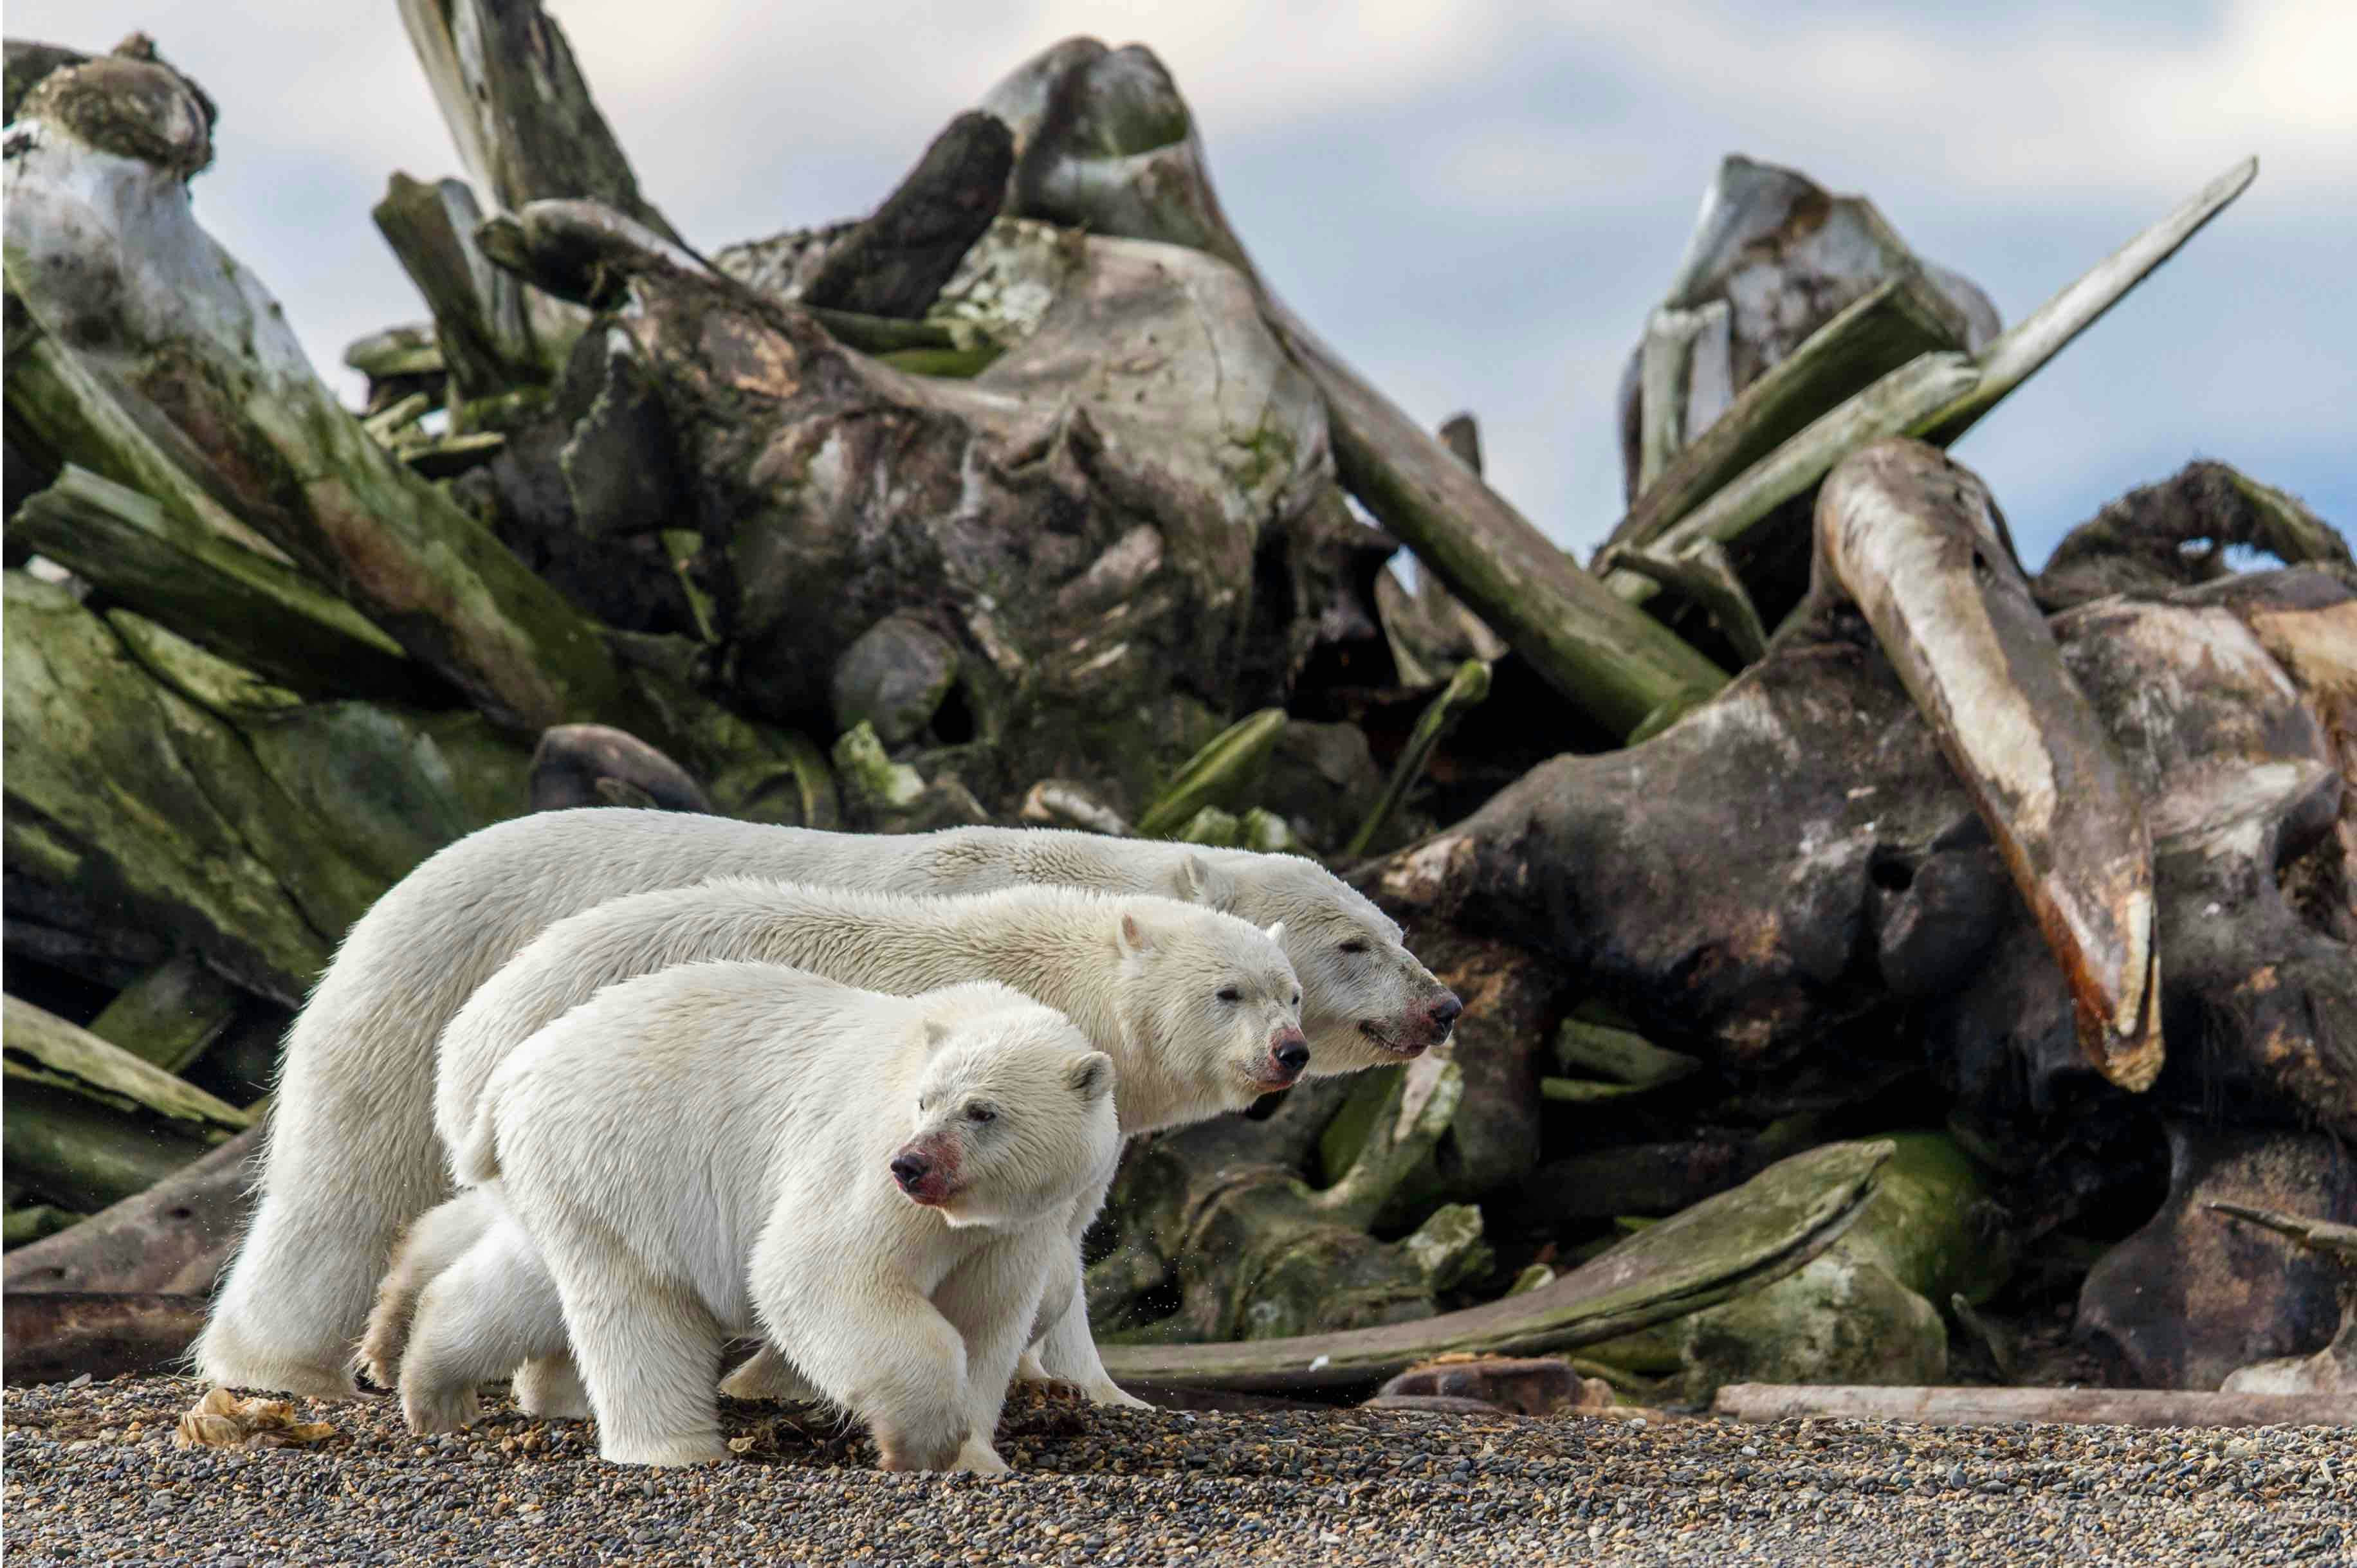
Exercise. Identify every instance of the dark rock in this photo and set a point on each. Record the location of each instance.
(1787, 255)
(2174, 534)
(1323, 779)
(617, 462)
(28, 63)
(895, 675)
(595, 765)
(2189, 1299)
(1537, 1385)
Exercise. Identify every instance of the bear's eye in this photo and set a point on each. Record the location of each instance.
(1353, 945)
(980, 1113)
(1230, 994)
(1296, 999)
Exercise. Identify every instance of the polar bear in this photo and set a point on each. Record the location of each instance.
(1196, 1008)
(878, 1185)
(352, 1155)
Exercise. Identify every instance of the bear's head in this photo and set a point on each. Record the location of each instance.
(1212, 1009)
(1013, 1119)
(1365, 1000)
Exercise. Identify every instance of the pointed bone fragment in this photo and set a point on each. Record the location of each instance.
(2018, 354)
(1914, 540)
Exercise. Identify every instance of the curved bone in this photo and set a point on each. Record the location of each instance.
(1915, 541)
(1721, 1248)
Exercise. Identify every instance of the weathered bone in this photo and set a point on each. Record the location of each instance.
(1105, 141)
(1914, 541)
(1713, 1252)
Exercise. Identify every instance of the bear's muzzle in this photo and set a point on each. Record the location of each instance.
(1288, 1054)
(928, 1176)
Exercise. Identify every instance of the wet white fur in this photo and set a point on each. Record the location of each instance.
(352, 1157)
(703, 1152)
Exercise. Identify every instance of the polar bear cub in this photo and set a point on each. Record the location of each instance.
(878, 1185)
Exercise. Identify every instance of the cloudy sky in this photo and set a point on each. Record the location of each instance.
(1477, 201)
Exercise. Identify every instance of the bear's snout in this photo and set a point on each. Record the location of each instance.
(1416, 1027)
(925, 1176)
(1288, 1053)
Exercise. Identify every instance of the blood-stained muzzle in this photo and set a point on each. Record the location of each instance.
(926, 1171)
(1288, 1054)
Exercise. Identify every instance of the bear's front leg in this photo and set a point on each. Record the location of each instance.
(993, 1298)
(873, 1343)
(494, 1307)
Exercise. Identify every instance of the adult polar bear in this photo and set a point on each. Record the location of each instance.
(353, 1154)
(878, 1183)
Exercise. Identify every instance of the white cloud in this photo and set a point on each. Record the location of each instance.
(2038, 107)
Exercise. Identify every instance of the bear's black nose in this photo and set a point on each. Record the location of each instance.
(1293, 1054)
(910, 1169)
(1445, 1012)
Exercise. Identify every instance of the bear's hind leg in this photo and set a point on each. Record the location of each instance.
(549, 1389)
(1069, 1354)
(648, 1348)
(1062, 1350)
(495, 1307)
(438, 1240)
(767, 1375)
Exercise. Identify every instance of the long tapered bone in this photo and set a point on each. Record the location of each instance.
(1937, 396)
(2329, 1237)
(45, 1048)
(1913, 538)
(172, 1236)
(1719, 1248)
(2017, 354)
(527, 129)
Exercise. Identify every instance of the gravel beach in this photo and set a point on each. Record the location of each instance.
(92, 1477)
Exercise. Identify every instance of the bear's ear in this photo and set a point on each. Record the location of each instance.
(1133, 937)
(1090, 1076)
(936, 1033)
(1276, 933)
(1198, 881)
